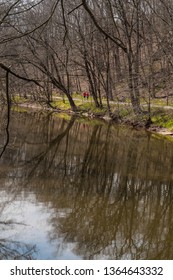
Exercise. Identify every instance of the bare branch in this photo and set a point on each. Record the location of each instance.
(8, 11)
(116, 40)
(34, 29)
(75, 8)
(18, 76)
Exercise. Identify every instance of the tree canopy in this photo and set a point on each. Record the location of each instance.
(96, 45)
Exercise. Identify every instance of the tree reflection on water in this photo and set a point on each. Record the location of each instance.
(109, 187)
(12, 250)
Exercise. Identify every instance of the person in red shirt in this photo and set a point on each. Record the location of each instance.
(87, 94)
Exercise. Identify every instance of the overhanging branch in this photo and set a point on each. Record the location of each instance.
(4, 67)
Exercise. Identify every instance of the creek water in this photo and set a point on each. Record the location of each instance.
(78, 189)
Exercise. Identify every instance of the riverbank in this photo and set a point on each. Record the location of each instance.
(160, 121)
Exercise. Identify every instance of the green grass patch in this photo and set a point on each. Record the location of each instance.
(163, 118)
(89, 106)
(160, 102)
(19, 99)
(60, 104)
(83, 105)
(19, 109)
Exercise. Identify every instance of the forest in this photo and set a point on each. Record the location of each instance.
(75, 182)
(118, 50)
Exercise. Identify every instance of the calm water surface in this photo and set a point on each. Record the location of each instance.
(75, 189)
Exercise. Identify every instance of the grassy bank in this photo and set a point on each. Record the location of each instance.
(161, 115)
